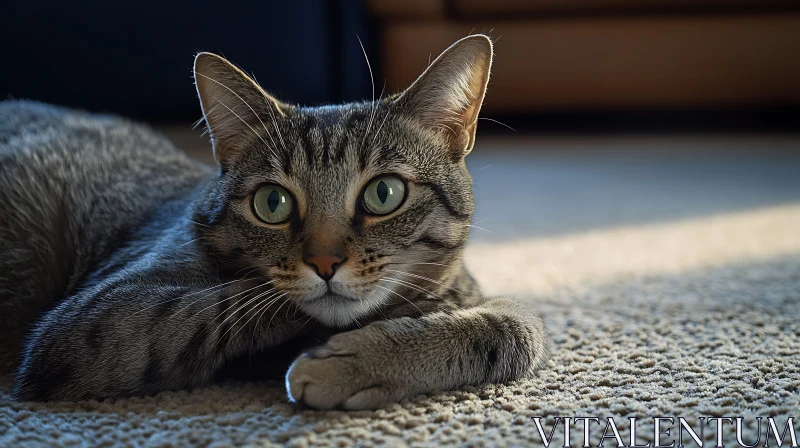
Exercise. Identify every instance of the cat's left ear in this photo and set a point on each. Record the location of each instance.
(447, 97)
(234, 106)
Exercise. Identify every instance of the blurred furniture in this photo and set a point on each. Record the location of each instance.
(589, 55)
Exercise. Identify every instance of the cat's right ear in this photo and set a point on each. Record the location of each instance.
(234, 106)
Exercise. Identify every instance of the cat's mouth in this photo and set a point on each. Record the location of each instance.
(336, 306)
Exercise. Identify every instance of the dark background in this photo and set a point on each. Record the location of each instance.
(562, 66)
(135, 58)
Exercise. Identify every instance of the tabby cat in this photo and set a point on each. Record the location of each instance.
(326, 246)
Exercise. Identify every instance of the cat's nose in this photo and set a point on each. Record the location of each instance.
(324, 265)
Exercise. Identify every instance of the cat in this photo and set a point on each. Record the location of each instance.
(128, 268)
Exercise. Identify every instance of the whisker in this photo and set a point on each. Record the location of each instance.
(369, 66)
(402, 297)
(199, 224)
(434, 264)
(256, 309)
(411, 285)
(252, 268)
(425, 278)
(276, 311)
(261, 313)
(310, 318)
(189, 242)
(372, 81)
(221, 301)
(375, 137)
(248, 301)
(498, 122)
(216, 288)
(479, 228)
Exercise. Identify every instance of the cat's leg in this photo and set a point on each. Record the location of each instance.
(497, 341)
(141, 336)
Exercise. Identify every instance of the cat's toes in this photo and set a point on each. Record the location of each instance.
(335, 381)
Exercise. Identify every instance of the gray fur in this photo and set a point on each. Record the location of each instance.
(130, 269)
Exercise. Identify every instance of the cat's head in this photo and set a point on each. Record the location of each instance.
(345, 207)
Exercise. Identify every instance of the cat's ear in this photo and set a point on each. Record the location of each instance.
(234, 106)
(447, 97)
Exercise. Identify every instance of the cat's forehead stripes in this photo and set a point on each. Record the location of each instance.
(330, 135)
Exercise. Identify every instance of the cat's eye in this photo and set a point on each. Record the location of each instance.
(384, 195)
(272, 204)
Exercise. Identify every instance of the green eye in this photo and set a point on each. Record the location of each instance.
(384, 195)
(272, 204)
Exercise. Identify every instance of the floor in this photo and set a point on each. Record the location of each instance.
(667, 269)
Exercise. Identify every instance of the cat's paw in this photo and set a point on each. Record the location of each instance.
(344, 373)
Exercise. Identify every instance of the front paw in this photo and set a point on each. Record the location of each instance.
(347, 372)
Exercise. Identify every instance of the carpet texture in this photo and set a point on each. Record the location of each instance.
(690, 317)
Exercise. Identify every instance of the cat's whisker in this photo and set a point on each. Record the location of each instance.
(375, 137)
(219, 302)
(251, 269)
(425, 278)
(199, 223)
(402, 297)
(369, 66)
(257, 309)
(479, 228)
(263, 311)
(212, 293)
(482, 220)
(189, 242)
(310, 318)
(214, 288)
(204, 297)
(433, 264)
(239, 308)
(277, 310)
(266, 304)
(498, 122)
(296, 310)
(409, 284)
(412, 286)
(254, 311)
(374, 104)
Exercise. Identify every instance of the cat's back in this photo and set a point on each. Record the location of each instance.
(73, 186)
(29, 130)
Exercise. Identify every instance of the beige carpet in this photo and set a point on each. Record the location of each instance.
(689, 310)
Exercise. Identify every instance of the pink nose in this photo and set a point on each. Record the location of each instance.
(325, 265)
